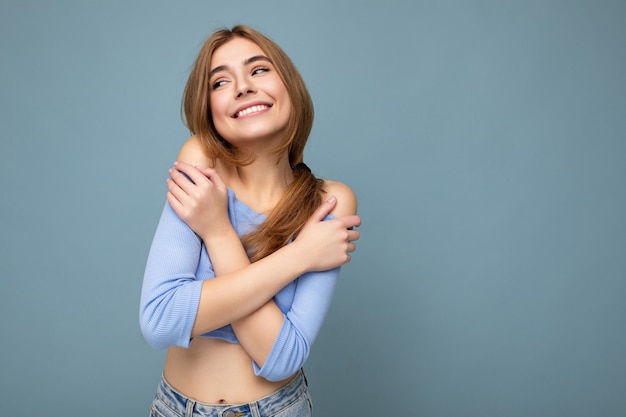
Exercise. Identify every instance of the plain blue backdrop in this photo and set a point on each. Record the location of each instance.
(486, 141)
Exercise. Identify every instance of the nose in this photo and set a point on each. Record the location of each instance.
(244, 87)
(242, 93)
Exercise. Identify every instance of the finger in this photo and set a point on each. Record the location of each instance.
(174, 203)
(353, 235)
(192, 173)
(350, 221)
(182, 180)
(323, 210)
(176, 191)
(351, 247)
(212, 175)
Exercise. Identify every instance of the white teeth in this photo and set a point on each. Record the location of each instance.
(252, 109)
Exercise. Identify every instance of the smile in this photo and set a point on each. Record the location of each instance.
(250, 110)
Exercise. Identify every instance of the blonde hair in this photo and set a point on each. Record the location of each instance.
(304, 194)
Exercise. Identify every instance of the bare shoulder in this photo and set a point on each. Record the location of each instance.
(346, 199)
(193, 153)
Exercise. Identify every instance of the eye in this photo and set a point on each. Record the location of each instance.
(259, 70)
(217, 84)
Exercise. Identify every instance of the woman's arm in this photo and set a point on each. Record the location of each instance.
(278, 343)
(170, 291)
(321, 245)
(231, 296)
(173, 279)
(179, 302)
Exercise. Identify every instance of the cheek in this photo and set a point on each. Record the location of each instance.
(279, 93)
(286, 100)
(280, 89)
(218, 110)
(214, 104)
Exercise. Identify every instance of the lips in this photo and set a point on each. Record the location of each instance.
(255, 108)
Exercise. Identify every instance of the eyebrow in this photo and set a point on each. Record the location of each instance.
(247, 61)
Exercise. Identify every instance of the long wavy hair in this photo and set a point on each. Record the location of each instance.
(304, 194)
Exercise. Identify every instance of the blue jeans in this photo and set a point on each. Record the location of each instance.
(292, 400)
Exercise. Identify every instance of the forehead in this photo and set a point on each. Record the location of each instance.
(235, 52)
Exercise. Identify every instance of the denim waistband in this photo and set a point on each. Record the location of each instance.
(268, 405)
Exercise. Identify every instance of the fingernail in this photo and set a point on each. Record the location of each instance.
(332, 199)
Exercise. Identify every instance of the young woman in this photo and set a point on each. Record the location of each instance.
(247, 251)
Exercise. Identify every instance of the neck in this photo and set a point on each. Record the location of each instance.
(261, 184)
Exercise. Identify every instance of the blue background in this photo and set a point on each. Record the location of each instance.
(486, 141)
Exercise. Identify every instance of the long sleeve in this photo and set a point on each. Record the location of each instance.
(178, 263)
(301, 324)
(172, 283)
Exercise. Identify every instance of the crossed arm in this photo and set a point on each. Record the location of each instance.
(242, 292)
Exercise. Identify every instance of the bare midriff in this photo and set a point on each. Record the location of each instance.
(214, 371)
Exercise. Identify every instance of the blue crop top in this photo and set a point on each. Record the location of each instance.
(177, 264)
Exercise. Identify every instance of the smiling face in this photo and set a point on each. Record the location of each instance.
(248, 99)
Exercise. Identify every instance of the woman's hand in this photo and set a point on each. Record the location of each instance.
(199, 197)
(327, 244)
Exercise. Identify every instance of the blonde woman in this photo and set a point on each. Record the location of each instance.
(247, 252)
